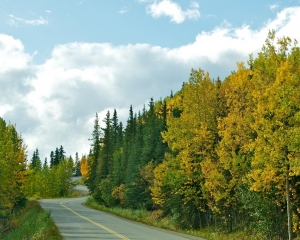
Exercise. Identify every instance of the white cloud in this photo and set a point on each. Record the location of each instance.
(274, 6)
(12, 55)
(13, 21)
(173, 10)
(123, 10)
(5, 108)
(55, 103)
(194, 5)
(48, 11)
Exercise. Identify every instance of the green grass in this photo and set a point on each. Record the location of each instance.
(155, 218)
(151, 218)
(33, 222)
(80, 181)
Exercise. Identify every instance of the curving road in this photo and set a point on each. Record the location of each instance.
(75, 221)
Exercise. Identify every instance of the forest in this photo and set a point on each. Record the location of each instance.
(217, 152)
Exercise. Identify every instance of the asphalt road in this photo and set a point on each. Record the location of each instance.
(75, 221)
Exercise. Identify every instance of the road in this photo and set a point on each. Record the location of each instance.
(76, 221)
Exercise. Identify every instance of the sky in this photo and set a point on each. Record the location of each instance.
(61, 62)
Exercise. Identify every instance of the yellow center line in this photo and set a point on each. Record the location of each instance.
(97, 224)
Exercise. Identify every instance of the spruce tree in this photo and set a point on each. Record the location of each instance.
(45, 163)
(107, 148)
(134, 192)
(51, 159)
(36, 161)
(94, 156)
(115, 128)
(56, 157)
(149, 135)
(120, 136)
(77, 165)
(33, 160)
(61, 153)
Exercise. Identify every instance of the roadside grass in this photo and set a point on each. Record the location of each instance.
(32, 222)
(81, 181)
(155, 218)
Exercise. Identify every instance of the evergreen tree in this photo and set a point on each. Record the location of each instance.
(120, 136)
(94, 156)
(61, 153)
(51, 159)
(149, 135)
(56, 157)
(70, 162)
(36, 161)
(108, 145)
(132, 168)
(115, 128)
(33, 160)
(76, 170)
(117, 172)
(128, 140)
(45, 163)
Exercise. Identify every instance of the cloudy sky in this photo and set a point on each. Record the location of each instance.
(63, 61)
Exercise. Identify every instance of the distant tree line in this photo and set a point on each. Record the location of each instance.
(52, 180)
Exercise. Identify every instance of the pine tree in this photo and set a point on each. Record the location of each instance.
(77, 165)
(128, 140)
(94, 156)
(45, 165)
(120, 136)
(106, 152)
(149, 135)
(56, 157)
(51, 159)
(134, 192)
(33, 160)
(36, 161)
(115, 128)
(118, 174)
(61, 153)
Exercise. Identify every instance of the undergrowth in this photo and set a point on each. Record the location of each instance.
(32, 222)
(155, 218)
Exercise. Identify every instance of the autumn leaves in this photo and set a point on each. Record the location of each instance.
(232, 153)
(240, 134)
(12, 168)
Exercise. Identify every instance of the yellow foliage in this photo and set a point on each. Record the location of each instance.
(192, 133)
(84, 167)
(119, 193)
(12, 166)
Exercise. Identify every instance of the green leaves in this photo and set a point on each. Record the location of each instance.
(12, 167)
(50, 182)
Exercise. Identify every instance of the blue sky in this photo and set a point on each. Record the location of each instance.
(123, 22)
(63, 61)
